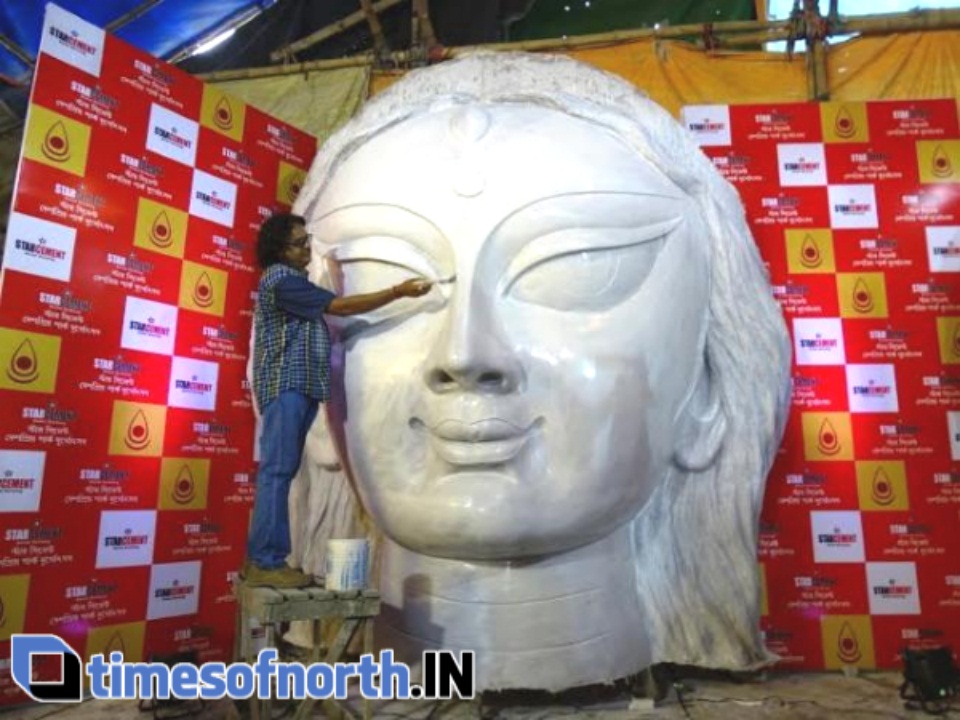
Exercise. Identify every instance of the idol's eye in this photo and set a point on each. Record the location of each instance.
(371, 264)
(586, 270)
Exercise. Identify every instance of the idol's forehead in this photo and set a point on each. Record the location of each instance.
(486, 161)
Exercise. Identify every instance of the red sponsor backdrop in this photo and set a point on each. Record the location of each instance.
(856, 209)
(126, 433)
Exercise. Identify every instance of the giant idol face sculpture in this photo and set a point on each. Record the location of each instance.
(545, 440)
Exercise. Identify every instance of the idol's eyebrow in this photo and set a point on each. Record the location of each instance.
(589, 212)
(392, 223)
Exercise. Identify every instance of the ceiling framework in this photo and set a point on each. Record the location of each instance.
(807, 25)
(287, 52)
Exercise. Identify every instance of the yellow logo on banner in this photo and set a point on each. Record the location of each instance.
(137, 429)
(847, 640)
(203, 288)
(862, 295)
(882, 485)
(160, 228)
(844, 122)
(13, 604)
(126, 638)
(948, 333)
(222, 112)
(56, 140)
(183, 484)
(827, 436)
(810, 251)
(289, 181)
(28, 361)
(938, 161)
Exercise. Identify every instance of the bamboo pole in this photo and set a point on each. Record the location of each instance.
(15, 49)
(815, 27)
(330, 30)
(747, 32)
(376, 29)
(128, 17)
(421, 11)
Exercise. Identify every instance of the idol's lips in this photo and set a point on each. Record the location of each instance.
(488, 441)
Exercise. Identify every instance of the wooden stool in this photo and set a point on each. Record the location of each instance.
(355, 609)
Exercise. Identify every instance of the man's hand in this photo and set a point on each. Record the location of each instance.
(357, 304)
(412, 288)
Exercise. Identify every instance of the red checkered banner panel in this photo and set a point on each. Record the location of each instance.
(856, 210)
(126, 426)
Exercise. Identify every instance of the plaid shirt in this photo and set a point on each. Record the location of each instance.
(291, 349)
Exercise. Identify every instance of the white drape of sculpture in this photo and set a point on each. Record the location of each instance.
(565, 443)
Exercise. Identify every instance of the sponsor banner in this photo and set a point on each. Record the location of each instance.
(899, 249)
(42, 542)
(99, 481)
(814, 590)
(72, 40)
(844, 122)
(793, 483)
(747, 170)
(21, 480)
(83, 99)
(134, 172)
(901, 436)
(213, 199)
(47, 422)
(873, 163)
(174, 589)
(943, 248)
(82, 203)
(819, 389)
(126, 432)
(193, 384)
(266, 134)
(895, 340)
(193, 535)
(14, 589)
(126, 538)
(783, 123)
(233, 162)
(837, 536)
(807, 295)
(210, 244)
(788, 207)
(148, 81)
(215, 339)
(919, 535)
(794, 638)
(847, 641)
(926, 632)
(120, 272)
(898, 121)
(91, 598)
(224, 436)
(39, 247)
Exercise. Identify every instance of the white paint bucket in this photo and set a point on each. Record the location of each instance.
(346, 564)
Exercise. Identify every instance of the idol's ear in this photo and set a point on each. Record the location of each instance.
(701, 426)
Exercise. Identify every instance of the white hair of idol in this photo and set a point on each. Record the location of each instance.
(695, 541)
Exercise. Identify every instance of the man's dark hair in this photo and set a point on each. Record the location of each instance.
(274, 236)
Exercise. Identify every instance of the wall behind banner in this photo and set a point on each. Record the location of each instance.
(856, 210)
(126, 427)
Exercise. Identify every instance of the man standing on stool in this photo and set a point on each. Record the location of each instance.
(291, 377)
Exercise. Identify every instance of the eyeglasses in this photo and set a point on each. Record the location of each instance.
(301, 242)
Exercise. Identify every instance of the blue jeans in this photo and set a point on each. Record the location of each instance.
(286, 421)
